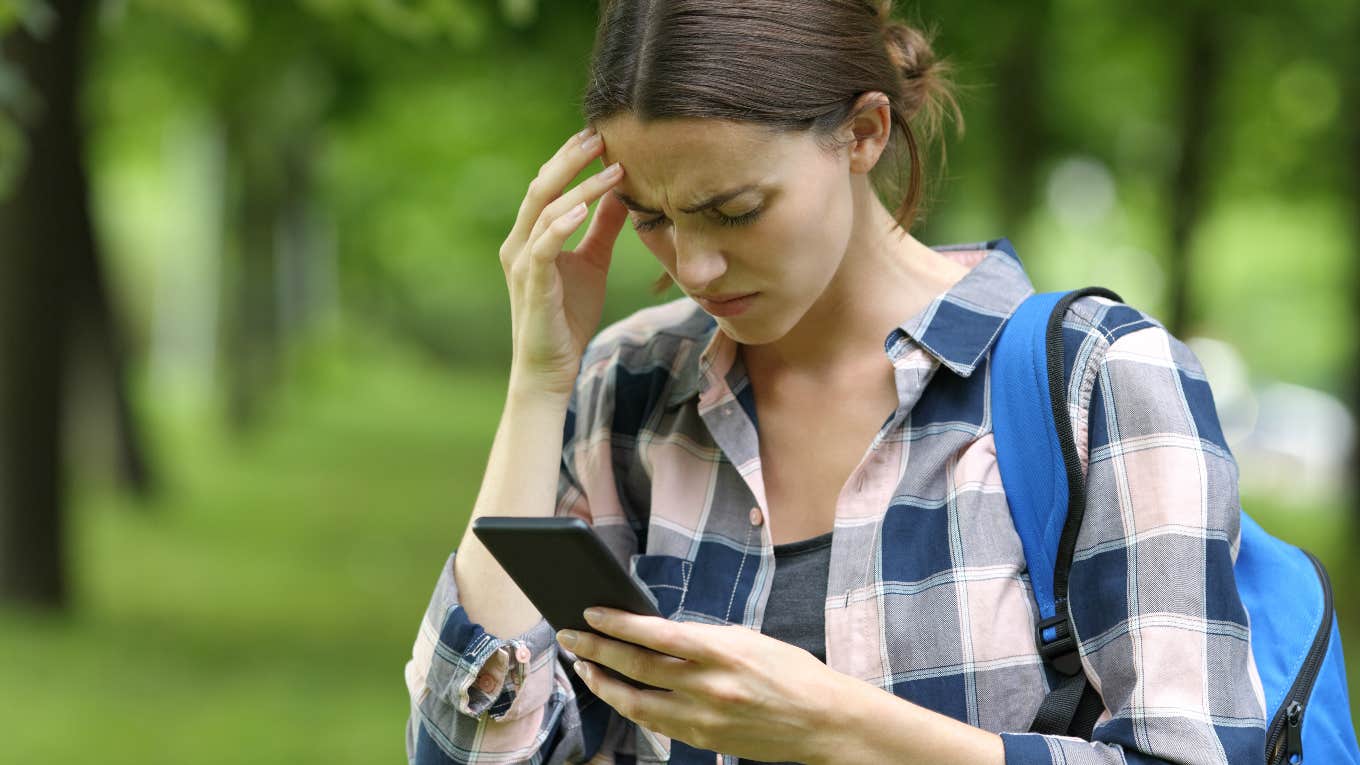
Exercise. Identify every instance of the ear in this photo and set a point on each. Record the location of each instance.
(868, 128)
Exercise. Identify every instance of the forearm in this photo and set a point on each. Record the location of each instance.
(870, 726)
(521, 480)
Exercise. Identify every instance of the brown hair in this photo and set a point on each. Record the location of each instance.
(787, 65)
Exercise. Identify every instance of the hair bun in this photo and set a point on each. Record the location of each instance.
(908, 49)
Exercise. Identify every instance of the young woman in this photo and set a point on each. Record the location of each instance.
(796, 457)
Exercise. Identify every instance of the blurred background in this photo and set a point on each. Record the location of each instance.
(254, 335)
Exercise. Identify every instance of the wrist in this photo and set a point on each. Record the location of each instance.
(834, 728)
(867, 724)
(526, 394)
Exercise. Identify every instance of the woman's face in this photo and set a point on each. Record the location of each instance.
(782, 236)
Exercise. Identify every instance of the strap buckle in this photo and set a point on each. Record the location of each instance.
(1061, 654)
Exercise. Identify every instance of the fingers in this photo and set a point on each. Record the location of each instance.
(553, 176)
(587, 191)
(646, 708)
(559, 221)
(634, 661)
(597, 248)
(548, 246)
(685, 640)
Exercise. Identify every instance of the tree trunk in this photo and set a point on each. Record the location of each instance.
(1023, 135)
(92, 311)
(250, 325)
(1200, 74)
(44, 227)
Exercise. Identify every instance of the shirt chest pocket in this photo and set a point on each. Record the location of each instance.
(666, 578)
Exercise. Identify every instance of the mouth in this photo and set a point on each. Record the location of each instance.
(731, 306)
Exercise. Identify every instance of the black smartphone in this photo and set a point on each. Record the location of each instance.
(563, 568)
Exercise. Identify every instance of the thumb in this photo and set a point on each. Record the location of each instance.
(597, 246)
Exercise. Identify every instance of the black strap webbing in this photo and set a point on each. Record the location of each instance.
(1072, 707)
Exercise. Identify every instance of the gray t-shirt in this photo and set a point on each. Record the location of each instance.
(794, 612)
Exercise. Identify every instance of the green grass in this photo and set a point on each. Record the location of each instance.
(261, 608)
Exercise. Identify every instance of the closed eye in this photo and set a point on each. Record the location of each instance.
(723, 220)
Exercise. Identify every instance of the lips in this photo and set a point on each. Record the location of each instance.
(733, 305)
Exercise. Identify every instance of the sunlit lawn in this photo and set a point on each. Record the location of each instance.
(262, 608)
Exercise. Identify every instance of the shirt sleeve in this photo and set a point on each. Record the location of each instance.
(1162, 632)
(478, 697)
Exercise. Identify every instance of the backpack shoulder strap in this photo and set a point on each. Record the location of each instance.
(1045, 490)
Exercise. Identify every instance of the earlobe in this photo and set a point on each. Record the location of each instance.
(865, 153)
(866, 150)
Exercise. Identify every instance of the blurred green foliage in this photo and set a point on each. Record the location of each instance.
(264, 611)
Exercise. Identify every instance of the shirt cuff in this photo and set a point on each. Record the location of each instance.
(1026, 749)
(1045, 749)
(458, 662)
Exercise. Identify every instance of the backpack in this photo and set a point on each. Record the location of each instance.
(1287, 594)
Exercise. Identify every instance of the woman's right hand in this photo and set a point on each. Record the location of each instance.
(557, 296)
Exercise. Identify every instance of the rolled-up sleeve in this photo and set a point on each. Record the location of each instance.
(483, 698)
(477, 697)
(473, 670)
(1162, 632)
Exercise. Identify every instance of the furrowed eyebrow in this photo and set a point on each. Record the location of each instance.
(713, 201)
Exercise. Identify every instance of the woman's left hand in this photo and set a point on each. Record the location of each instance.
(730, 689)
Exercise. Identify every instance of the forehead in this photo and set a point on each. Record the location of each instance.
(677, 160)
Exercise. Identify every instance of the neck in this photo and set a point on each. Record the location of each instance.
(886, 276)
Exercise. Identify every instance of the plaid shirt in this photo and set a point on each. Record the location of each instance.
(928, 595)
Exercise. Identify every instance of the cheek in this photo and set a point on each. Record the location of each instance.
(800, 241)
(659, 244)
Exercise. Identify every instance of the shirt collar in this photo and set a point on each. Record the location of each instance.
(958, 327)
(694, 368)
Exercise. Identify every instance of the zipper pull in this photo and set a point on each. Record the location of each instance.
(1294, 733)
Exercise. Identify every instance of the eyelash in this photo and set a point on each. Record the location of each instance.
(740, 220)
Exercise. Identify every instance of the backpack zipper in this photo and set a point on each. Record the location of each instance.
(1285, 739)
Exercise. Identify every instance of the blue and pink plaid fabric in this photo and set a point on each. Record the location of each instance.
(928, 595)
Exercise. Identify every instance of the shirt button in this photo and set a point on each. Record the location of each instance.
(756, 517)
(522, 653)
(486, 682)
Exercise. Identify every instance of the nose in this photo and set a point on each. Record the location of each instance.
(696, 263)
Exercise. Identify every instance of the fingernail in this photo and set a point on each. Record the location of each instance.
(580, 669)
(594, 615)
(567, 638)
(612, 171)
(590, 129)
(591, 144)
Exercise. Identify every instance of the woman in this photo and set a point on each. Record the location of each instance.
(796, 457)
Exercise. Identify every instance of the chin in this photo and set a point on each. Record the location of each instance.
(748, 333)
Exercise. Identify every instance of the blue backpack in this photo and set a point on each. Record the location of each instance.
(1285, 590)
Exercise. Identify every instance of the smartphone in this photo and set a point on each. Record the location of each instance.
(563, 567)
